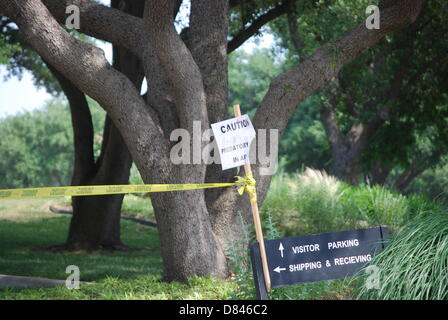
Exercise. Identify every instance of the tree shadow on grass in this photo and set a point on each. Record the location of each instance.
(18, 254)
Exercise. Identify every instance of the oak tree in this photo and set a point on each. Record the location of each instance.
(187, 81)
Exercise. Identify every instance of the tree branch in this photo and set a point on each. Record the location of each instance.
(178, 63)
(207, 41)
(83, 132)
(122, 28)
(105, 23)
(293, 86)
(88, 69)
(256, 25)
(294, 33)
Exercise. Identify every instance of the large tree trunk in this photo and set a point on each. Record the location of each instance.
(345, 150)
(345, 165)
(379, 174)
(188, 243)
(96, 219)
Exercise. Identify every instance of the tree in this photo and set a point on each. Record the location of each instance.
(374, 91)
(433, 182)
(96, 220)
(304, 142)
(37, 147)
(187, 81)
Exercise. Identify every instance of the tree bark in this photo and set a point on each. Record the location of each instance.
(96, 219)
(179, 216)
(405, 179)
(379, 174)
(189, 246)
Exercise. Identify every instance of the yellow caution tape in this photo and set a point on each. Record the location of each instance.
(248, 185)
(47, 192)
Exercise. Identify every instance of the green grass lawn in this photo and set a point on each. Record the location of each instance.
(295, 205)
(28, 225)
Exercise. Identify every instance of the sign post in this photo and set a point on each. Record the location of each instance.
(257, 222)
(234, 137)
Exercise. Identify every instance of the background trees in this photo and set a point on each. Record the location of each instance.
(37, 147)
(377, 108)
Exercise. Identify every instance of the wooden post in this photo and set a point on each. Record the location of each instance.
(257, 222)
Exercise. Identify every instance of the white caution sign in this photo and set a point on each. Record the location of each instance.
(233, 138)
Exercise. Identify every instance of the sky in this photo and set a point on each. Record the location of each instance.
(19, 95)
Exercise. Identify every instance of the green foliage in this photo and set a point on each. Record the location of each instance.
(144, 287)
(414, 264)
(326, 290)
(365, 85)
(246, 12)
(318, 22)
(304, 143)
(416, 129)
(312, 202)
(239, 262)
(37, 147)
(6, 50)
(433, 182)
(137, 206)
(318, 203)
(135, 177)
(306, 203)
(18, 56)
(250, 76)
(377, 205)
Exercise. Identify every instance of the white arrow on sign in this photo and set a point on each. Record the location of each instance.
(278, 269)
(281, 248)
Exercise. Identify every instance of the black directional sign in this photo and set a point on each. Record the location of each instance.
(317, 257)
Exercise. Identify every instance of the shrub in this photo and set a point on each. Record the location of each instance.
(415, 263)
(314, 202)
(377, 205)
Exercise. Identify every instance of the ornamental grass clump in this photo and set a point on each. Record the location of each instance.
(414, 265)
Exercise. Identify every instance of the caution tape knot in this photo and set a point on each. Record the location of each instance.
(248, 184)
